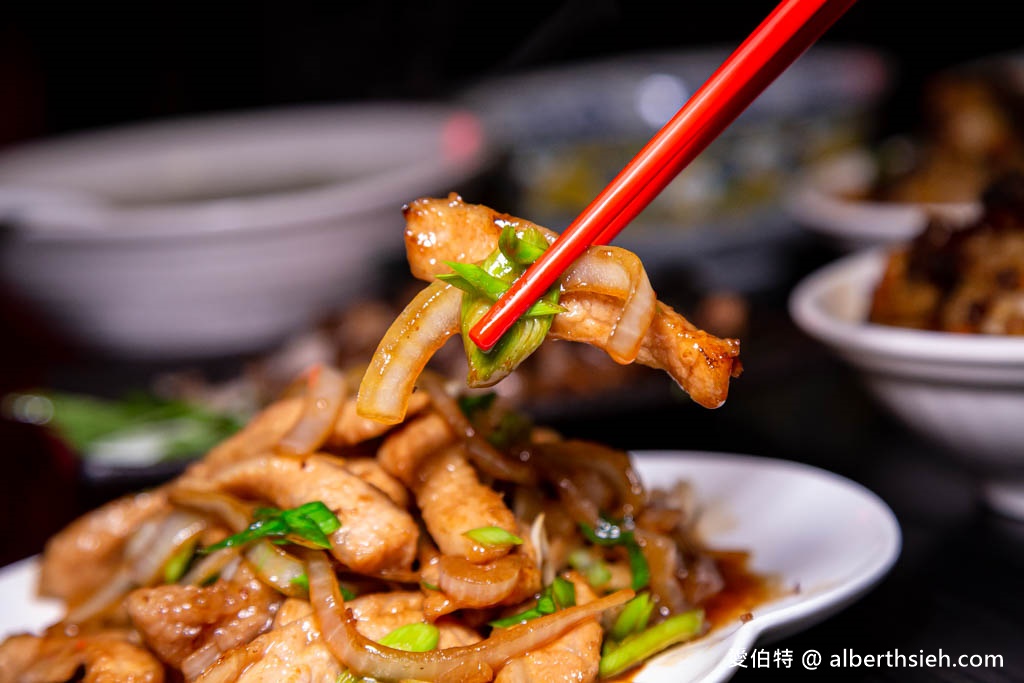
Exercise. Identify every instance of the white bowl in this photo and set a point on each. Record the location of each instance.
(824, 199)
(963, 391)
(222, 234)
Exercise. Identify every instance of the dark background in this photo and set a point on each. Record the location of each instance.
(71, 66)
(65, 68)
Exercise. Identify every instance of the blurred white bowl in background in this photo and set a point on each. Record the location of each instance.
(963, 391)
(826, 198)
(222, 234)
(569, 129)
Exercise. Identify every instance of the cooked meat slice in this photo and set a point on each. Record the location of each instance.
(572, 658)
(293, 653)
(178, 621)
(98, 658)
(439, 230)
(378, 614)
(261, 434)
(405, 449)
(699, 362)
(86, 554)
(375, 534)
(371, 471)
(292, 609)
(452, 501)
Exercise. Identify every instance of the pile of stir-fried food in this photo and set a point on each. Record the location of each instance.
(379, 523)
(961, 278)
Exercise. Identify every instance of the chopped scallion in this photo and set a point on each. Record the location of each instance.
(492, 536)
(640, 646)
(416, 637)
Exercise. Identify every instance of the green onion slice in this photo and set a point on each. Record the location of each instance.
(493, 536)
(308, 525)
(416, 637)
(640, 646)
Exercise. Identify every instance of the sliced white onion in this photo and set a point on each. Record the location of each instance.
(201, 660)
(539, 539)
(417, 333)
(618, 273)
(232, 511)
(469, 664)
(107, 595)
(478, 585)
(277, 569)
(325, 395)
(147, 558)
(210, 567)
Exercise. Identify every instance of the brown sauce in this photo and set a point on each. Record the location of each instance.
(744, 589)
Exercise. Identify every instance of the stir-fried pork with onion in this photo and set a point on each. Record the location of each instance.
(386, 524)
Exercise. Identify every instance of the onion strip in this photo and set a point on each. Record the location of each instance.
(467, 663)
(616, 272)
(416, 334)
(278, 569)
(325, 395)
(476, 585)
(154, 546)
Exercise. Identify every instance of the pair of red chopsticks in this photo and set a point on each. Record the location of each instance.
(791, 28)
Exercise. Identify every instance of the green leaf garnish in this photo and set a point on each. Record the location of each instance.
(179, 562)
(416, 637)
(482, 285)
(302, 581)
(308, 524)
(593, 568)
(430, 586)
(492, 536)
(610, 533)
(633, 618)
(472, 404)
(473, 279)
(640, 646)
(563, 592)
(521, 246)
(558, 595)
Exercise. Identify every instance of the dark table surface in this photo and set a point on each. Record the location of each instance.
(955, 589)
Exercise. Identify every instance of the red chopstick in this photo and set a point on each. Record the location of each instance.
(791, 28)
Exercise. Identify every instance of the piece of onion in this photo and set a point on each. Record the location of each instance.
(325, 395)
(539, 540)
(616, 272)
(467, 664)
(201, 660)
(146, 557)
(210, 567)
(419, 331)
(231, 510)
(478, 585)
(100, 600)
(278, 569)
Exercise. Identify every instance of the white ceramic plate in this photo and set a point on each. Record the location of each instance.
(831, 537)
